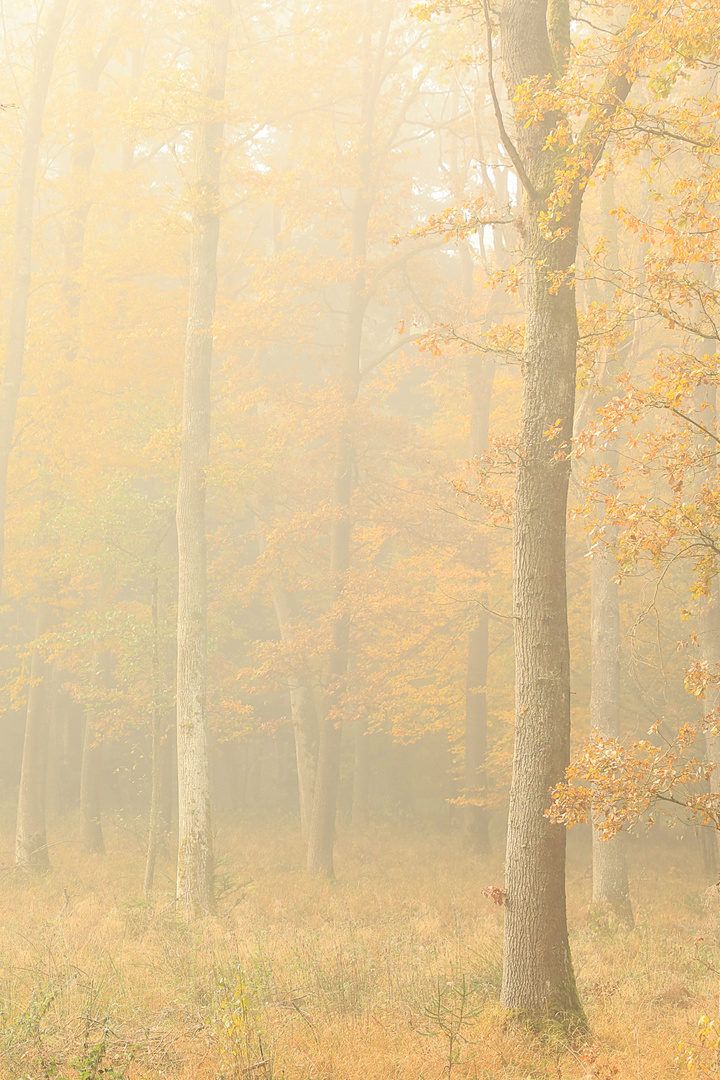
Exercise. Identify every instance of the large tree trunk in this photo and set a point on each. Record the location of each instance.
(538, 977)
(538, 974)
(31, 852)
(17, 317)
(195, 849)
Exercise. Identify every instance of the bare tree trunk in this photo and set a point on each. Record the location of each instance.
(195, 847)
(538, 978)
(31, 852)
(322, 823)
(158, 736)
(302, 712)
(91, 831)
(17, 319)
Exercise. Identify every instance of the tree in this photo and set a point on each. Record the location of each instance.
(31, 851)
(195, 849)
(22, 267)
(538, 978)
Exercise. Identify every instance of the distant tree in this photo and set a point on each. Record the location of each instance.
(195, 848)
(22, 265)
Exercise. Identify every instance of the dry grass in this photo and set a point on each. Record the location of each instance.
(362, 979)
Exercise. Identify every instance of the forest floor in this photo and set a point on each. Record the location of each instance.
(390, 973)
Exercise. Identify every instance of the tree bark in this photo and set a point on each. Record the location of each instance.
(31, 851)
(538, 978)
(195, 848)
(22, 266)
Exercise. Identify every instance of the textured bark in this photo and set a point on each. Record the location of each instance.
(195, 849)
(538, 978)
(22, 265)
(31, 852)
(538, 974)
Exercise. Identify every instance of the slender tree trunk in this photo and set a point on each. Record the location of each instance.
(361, 775)
(195, 848)
(538, 978)
(322, 823)
(17, 319)
(31, 852)
(91, 772)
(302, 712)
(158, 736)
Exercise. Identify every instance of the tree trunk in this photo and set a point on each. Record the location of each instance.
(31, 852)
(538, 978)
(361, 775)
(91, 771)
(538, 974)
(158, 825)
(17, 316)
(195, 848)
(322, 823)
(302, 712)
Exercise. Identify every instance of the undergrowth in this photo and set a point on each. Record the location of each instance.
(393, 971)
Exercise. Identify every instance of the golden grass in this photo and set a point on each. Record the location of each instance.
(360, 979)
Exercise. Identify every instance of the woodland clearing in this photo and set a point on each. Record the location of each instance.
(393, 970)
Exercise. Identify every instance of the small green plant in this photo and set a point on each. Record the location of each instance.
(240, 1031)
(704, 1056)
(450, 1013)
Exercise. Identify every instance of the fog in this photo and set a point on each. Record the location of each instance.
(359, 529)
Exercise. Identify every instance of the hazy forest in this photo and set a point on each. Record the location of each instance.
(360, 539)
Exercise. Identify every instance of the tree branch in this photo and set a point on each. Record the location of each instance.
(504, 137)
